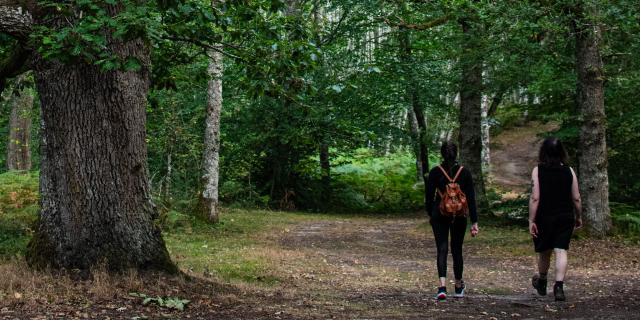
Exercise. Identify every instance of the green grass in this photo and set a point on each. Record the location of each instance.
(232, 250)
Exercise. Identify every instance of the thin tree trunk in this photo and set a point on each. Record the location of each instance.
(212, 136)
(416, 107)
(592, 157)
(415, 136)
(470, 135)
(19, 150)
(95, 198)
(486, 138)
(325, 171)
(325, 162)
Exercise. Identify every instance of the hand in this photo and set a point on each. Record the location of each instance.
(578, 223)
(533, 229)
(474, 229)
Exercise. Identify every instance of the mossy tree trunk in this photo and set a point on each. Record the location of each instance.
(95, 198)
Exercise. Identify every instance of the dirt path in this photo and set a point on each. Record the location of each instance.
(384, 269)
(350, 268)
(514, 153)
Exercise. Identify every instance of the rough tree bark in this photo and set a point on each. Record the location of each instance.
(470, 135)
(18, 149)
(212, 135)
(95, 200)
(592, 156)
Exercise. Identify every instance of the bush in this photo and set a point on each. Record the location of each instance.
(378, 184)
(626, 219)
(18, 210)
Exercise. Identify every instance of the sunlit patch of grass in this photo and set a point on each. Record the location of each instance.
(233, 249)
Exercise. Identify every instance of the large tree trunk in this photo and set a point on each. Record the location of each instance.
(212, 136)
(19, 150)
(470, 135)
(592, 157)
(95, 198)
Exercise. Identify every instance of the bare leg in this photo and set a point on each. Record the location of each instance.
(561, 264)
(544, 260)
(443, 281)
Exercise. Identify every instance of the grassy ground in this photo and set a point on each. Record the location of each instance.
(277, 265)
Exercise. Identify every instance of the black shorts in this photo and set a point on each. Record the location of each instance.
(554, 232)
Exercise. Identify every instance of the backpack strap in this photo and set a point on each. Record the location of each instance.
(457, 174)
(449, 178)
(445, 173)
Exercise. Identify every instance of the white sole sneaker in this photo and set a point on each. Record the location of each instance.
(459, 295)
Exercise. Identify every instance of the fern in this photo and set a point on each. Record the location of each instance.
(626, 218)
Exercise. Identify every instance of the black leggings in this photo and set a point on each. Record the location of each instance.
(441, 227)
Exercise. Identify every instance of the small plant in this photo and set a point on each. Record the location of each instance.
(167, 302)
(626, 219)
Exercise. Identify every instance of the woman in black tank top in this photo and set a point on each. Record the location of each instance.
(554, 212)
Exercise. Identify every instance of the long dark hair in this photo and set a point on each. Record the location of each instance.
(552, 153)
(449, 152)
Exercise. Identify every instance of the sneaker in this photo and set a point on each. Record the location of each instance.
(539, 284)
(442, 293)
(558, 292)
(459, 291)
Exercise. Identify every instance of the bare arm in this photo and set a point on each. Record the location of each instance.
(577, 200)
(534, 201)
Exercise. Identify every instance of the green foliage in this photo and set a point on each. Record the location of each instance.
(366, 183)
(167, 302)
(18, 210)
(626, 219)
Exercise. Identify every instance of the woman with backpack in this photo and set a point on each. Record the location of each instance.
(555, 210)
(450, 199)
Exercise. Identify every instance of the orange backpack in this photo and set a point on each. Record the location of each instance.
(453, 202)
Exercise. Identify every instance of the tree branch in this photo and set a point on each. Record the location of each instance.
(421, 26)
(14, 19)
(13, 65)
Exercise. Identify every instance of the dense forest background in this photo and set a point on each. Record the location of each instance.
(265, 159)
(327, 104)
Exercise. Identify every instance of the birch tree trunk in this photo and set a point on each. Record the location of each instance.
(592, 158)
(18, 149)
(486, 138)
(470, 119)
(212, 135)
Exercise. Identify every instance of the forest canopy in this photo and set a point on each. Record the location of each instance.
(338, 105)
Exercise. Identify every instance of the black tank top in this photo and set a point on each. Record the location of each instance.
(555, 191)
